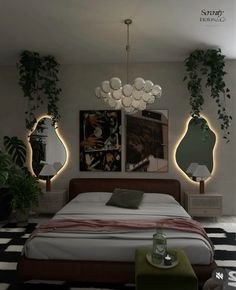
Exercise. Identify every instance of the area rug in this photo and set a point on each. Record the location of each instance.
(13, 237)
(225, 247)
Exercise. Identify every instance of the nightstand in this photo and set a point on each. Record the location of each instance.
(203, 205)
(52, 201)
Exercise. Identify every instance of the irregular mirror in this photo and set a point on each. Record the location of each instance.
(46, 146)
(197, 146)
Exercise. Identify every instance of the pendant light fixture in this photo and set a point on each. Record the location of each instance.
(130, 97)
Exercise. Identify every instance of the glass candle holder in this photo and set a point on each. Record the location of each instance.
(159, 248)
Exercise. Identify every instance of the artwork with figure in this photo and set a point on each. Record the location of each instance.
(100, 140)
(147, 141)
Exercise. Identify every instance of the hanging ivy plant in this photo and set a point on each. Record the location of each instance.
(39, 82)
(209, 65)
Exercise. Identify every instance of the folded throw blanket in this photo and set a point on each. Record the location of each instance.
(96, 225)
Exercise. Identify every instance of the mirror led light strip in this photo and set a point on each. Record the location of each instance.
(179, 141)
(29, 163)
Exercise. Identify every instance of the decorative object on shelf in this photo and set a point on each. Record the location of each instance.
(209, 64)
(200, 174)
(47, 146)
(48, 171)
(196, 147)
(38, 78)
(159, 248)
(100, 140)
(131, 98)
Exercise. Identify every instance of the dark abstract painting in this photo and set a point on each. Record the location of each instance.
(147, 141)
(100, 140)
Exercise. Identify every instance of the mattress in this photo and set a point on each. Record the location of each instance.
(116, 246)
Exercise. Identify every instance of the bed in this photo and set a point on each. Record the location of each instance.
(100, 269)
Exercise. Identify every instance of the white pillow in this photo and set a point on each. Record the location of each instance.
(158, 198)
(93, 197)
(103, 197)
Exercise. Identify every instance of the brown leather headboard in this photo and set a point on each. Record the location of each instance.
(79, 185)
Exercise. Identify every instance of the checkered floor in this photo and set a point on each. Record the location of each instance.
(225, 247)
(12, 240)
(13, 237)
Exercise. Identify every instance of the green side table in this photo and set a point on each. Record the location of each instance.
(148, 277)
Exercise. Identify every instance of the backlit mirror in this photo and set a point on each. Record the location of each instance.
(47, 147)
(197, 146)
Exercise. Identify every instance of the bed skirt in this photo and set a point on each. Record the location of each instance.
(90, 271)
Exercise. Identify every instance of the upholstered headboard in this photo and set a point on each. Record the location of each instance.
(169, 186)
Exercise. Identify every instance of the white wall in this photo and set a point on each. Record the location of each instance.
(78, 83)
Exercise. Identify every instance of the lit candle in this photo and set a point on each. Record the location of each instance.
(167, 260)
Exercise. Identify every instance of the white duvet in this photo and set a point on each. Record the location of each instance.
(116, 246)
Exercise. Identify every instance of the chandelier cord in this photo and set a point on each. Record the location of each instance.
(127, 22)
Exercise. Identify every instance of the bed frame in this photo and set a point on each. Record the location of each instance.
(102, 271)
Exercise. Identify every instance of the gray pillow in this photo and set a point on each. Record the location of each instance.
(126, 198)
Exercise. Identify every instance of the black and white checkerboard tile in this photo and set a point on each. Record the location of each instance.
(225, 247)
(13, 237)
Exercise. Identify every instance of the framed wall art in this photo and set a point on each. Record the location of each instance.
(147, 141)
(100, 140)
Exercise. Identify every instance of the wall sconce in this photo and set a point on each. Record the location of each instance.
(48, 171)
(200, 174)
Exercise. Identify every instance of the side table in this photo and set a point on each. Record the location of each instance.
(148, 277)
(52, 201)
(203, 205)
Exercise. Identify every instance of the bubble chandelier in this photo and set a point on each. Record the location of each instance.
(130, 98)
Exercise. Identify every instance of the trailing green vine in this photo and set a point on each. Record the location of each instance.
(210, 65)
(38, 80)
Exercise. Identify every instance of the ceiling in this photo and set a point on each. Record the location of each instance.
(92, 31)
